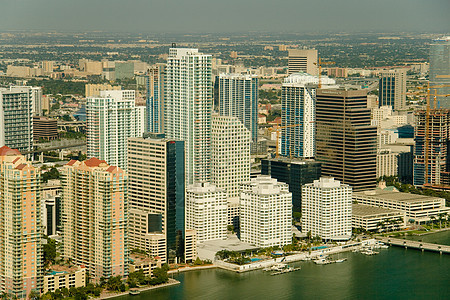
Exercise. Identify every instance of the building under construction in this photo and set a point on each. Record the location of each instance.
(432, 166)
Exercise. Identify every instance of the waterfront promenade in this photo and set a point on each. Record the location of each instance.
(442, 249)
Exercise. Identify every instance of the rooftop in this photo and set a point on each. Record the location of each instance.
(396, 196)
(361, 210)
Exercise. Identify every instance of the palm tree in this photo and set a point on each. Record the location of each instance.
(441, 216)
(432, 219)
(380, 225)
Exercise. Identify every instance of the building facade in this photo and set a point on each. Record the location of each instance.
(345, 140)
(392, 89)
(95, 216)
(266, 213)
(16, 123)
(21, 261)
(303, 60)
(44, 128)
(238, 97)
(230, 154)
(188, 108)
(434, 162)
(294, 172)
(327, 209)
(206, 211)
(111, 119)
(156, 195)
(154, 85)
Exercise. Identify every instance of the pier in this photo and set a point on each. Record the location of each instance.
(442, 249)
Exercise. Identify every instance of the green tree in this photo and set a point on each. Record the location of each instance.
(114, 283)
(49, 250)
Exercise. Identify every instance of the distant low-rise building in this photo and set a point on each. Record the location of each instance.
(44, 128)
(375, 218)
(143, 262)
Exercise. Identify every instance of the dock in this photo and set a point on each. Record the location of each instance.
(441, 249)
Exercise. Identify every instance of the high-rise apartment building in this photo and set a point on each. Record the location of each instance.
(21, 262)
(154, 84)
(206, 211)
(93, 90)
(294, 172)
(230, 154)
(435, 161)
(298, 103)
(266, 213)
(327, 209)
(156, 195)
(111, 120)
(392, 89)
(346, 143)
(16, 123)
(303, 60)
(188, 107)
(238, 97)
(440, 70)
(95, 217)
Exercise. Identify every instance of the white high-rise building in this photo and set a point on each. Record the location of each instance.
(238, 97)
(111, 120)
(230, 155)
(266, 212)
(16, 122)
(188, 107)
(207, 211)
(298, 110)
(327, 209)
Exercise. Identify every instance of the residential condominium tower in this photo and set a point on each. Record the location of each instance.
(21, 261)
(230, 154)
(266, 213)
(206, 211)
(111, 119)
(16, 123)
(188, 107)
(95, 217)
(156, 195)
(238, 97)
(327, 209)
(154, 83)
(346, 143)
(392, 89)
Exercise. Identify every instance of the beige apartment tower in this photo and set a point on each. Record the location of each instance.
(392, 89)
(95, 217)
(303, 60)
(20, 225)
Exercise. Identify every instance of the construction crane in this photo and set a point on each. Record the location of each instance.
(277, 155)
(319, 65)
(427, 122)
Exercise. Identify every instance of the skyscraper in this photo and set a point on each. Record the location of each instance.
(440, 69)
(21, 262)
(95, 217)
(230, 154)
(238, 97)
(327, 209)
(111, 119)
(294, 172)
(303, 60)
(437, 141)
(266, 213)
(156, 193)
(298, 99)
(346, 143)
(154, 82)
(188, 107)
(392, 89)
(16, 123)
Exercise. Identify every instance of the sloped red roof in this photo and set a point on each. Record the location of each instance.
(93, 162)
(5, 150)
(71, 162)
(21, 166)
(110, 169)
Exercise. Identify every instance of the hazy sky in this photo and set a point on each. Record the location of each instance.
(225, 15)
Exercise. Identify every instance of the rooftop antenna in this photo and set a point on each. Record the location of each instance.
(174, 45)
